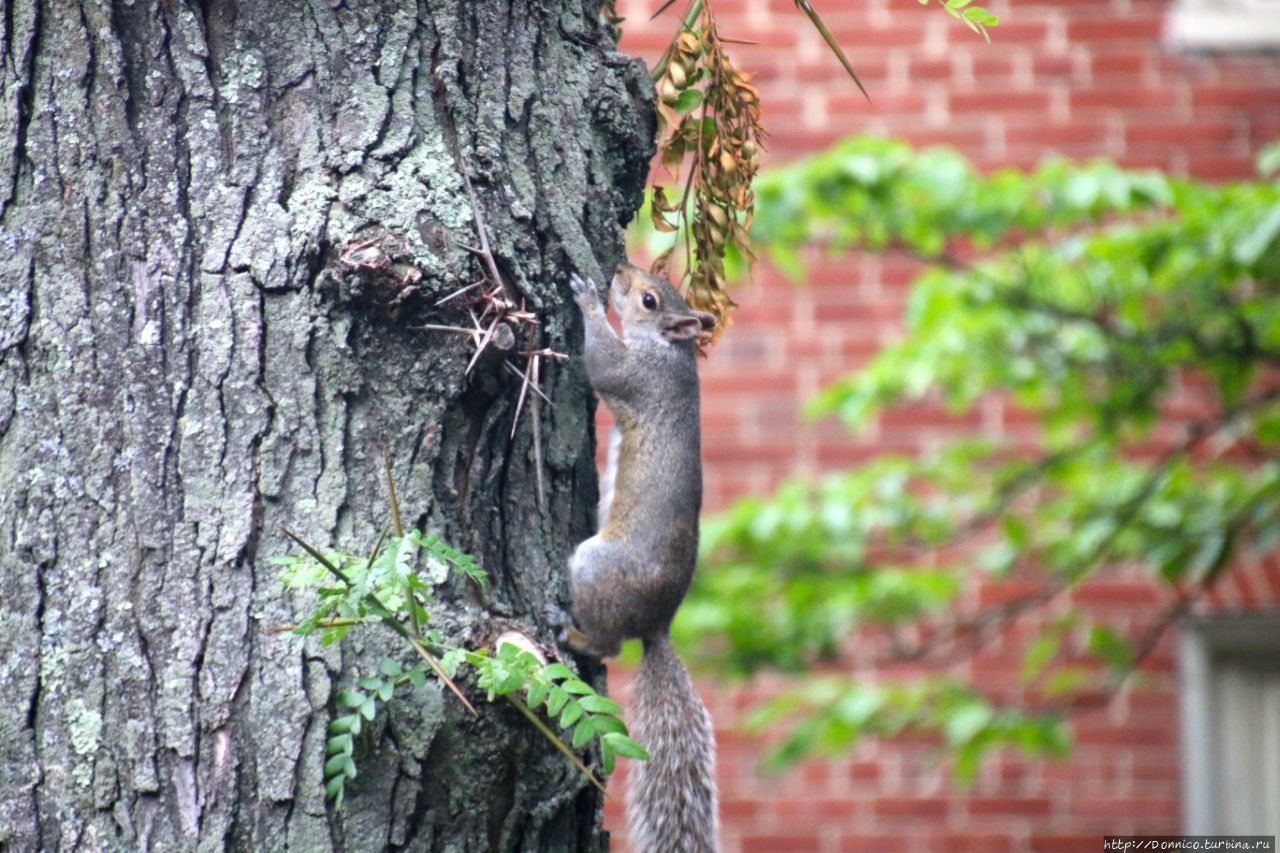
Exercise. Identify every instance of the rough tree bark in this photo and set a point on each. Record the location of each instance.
(186, 365)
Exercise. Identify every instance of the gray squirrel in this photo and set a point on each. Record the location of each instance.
(629, 578)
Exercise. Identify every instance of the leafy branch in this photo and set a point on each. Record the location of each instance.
(710, 130)
(1101, 306)
(393, 587)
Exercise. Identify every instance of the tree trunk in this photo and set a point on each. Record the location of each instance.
(188, 362)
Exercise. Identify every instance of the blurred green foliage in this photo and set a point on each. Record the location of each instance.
(1087, 297)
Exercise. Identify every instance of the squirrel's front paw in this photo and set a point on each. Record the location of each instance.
(584, 291)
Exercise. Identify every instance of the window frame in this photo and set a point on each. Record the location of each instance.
(1224, 25)
(1201, 641)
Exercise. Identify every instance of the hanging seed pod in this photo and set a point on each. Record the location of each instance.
(677, 76)
(668, 91)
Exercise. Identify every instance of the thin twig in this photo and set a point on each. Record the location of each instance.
(441, 674)
(484, 241)
(536, 414)
(551, 736)
(515, 370)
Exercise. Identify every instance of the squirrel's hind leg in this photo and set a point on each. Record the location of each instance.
(600, 578)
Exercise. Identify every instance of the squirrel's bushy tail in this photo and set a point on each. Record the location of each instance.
(671, 798)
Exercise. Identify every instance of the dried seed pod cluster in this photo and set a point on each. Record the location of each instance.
(709, 115)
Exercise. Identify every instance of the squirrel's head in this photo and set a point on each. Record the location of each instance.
(652, 308)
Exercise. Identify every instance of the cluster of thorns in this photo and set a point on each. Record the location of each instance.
(491, 301)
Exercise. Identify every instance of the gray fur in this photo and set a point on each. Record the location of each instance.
(629, 579)
(671, 803)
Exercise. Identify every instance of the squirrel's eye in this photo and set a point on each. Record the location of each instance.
(649, 302)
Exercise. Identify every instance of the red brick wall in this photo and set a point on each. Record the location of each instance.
(1080, 78)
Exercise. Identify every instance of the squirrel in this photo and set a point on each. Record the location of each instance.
(628, 580)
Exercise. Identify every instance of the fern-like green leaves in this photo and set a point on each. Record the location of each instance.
(392, 587)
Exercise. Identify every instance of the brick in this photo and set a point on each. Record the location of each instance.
(928, 415)
(1000, 101)
(853, 31)
(716, 383)
(1125, 807)
(1116, 97)
(1235, 96)
(1053, 136)
(988, 69)
(870, 72)
(740, 811)
(950, 136)
(773, 843)
(734, 453)
(852, 103)
(970, 843)
(1128, 64)
(1014, 30)
(1053, 66)
(1005, 806)
(1118, 593)
(1181, 133)
(1109, 28)
(874, 844)
(1220, 167)
(1003, 592)
(911, 807)
(1065, 843)
(926, 68)
(813, 811)
(865, 771)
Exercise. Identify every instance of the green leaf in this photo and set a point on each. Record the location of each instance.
(1269, 160)
(583, 732)
(967, 721)
(557, 701)
(1106, 644)
(625, 746)
(1042, 650)
(342, 724)
(1250, 247)
(572, 711)
(576, 687)
(391, 668)
(687, 101)
(608, 723)
(557, 672)
(451, 660)
(600, 705)
(335, 765)
(368, 709)
(538, 691)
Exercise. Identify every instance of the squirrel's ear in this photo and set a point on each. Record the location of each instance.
(681, 328)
